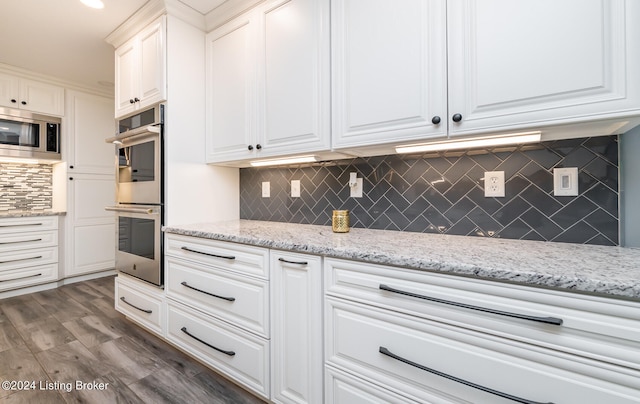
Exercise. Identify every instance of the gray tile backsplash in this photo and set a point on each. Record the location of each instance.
(443, 192)
(25, 186)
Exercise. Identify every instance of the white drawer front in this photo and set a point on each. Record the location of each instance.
(27, 258)
(22, 241)
(239, 355)
(240, 300)
(22, 277)
(342, 388)
(357, 335)
(247, 260)
(599, 328)
(28, 224)
(136, 302)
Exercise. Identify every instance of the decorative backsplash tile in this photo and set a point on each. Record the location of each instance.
(444, 192)
(25, 186)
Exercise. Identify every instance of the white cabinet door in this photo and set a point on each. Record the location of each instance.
(152, 87)
(294, 77)
(389, 71)
(515, 64)
(296, 306)
(31, 95)
(88, 122)
(140, 68)
(126, 57)
(230, 79)
(90, 240)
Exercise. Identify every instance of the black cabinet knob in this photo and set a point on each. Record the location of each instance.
(435, 120)
(70, 178)
(131, 101)
(250, 147)
(136, 99)
(258, 146)
(23, 103)
(71, 167)
(13, 100)
(456, 117)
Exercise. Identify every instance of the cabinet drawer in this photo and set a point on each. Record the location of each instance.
(141, 303)
(26, 240)
(27, 258)
(247, 260)
(240, 300)
(27, 224)
(239, 355)
(593, 327)
(402, 353)
(343, 388)
(22, 277)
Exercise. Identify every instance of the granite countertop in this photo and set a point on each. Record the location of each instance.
(612, 271)
(30, 213)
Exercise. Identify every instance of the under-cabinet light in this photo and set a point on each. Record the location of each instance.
(288, 160)
(471, 143)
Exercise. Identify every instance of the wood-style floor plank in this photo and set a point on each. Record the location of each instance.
(91, 330)
(23, 310)
(19, 364)
(80, 292)
(61, 306)
(9, 337)
(45, 334)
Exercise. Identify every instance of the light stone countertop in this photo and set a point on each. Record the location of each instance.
(612, 271)
(29, 213)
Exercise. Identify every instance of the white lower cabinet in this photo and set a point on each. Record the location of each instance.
(239, 355)
(141, 302)
(296, 339)
(441, 339)
(28, 251)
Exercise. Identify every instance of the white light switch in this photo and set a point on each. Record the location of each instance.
(266, 189)
(565, 181)
(295, 188)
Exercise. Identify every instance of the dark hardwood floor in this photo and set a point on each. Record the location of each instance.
(56, 338)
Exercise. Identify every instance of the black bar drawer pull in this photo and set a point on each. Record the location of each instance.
(230, 353)
(186, 285)
(21, 241)
(388, 353)
(136, 307)
(22, 277)
(293, 262)
(547, 320)
(22, 259)
(21, 225)
(228, 257)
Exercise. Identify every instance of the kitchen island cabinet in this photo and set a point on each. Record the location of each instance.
(404, 72)
(393, 313)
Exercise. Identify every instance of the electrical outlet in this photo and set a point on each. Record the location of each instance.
(494, 184)
(295, 188)
(266, 189)
(356, 190)
(565, 181)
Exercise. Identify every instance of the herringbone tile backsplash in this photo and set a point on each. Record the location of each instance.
(443, 192)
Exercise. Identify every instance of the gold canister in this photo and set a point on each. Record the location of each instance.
(340, 221)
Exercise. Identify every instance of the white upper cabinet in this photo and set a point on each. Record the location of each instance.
(516, 64)
(389, 71)
(31, 95)
(141, 73)
(268, 82)
(493, 65)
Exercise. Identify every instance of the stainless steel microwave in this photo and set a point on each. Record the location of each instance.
(28, 135)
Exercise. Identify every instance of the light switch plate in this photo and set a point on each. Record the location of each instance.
(266, 189)
(295, 188)
(565, 181)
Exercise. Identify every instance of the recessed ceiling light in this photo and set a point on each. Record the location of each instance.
(93, 3)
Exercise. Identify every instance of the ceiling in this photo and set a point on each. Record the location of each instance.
(65, 39)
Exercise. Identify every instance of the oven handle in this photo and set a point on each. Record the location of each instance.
(134, 133)
(148, 211)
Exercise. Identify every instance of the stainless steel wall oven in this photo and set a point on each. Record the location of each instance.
(139, 194)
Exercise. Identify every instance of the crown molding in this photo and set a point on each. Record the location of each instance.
(227, 11)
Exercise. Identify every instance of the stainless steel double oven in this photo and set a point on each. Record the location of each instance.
(139, 194)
